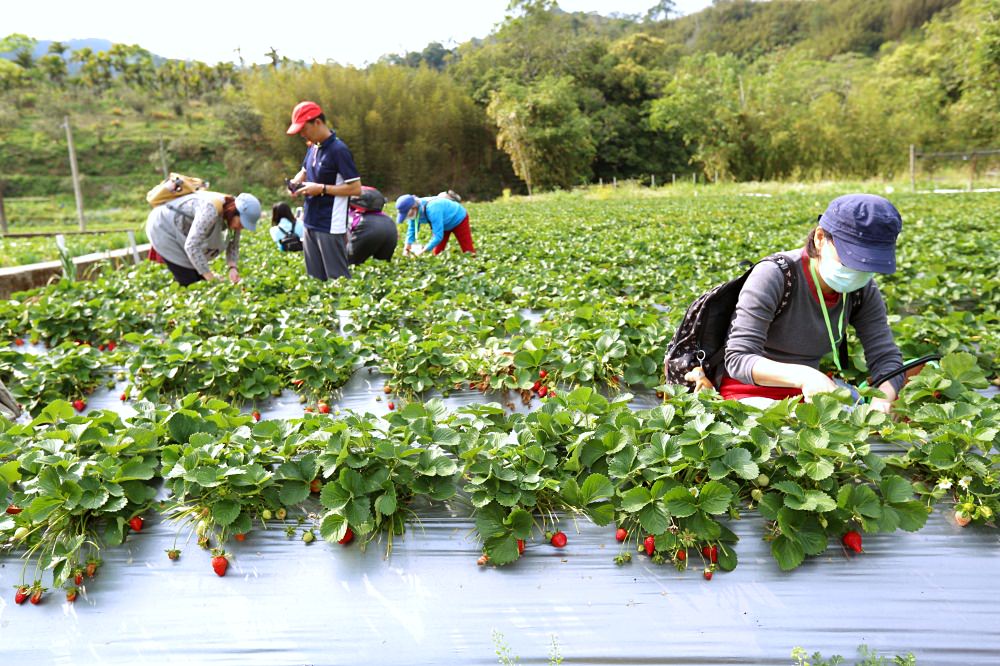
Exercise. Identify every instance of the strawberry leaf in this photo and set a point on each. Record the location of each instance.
(636, 498)
(896, 489)
(787, 552)
(294, 492)
(224, 512)
(333, 527)
(654, 518)
(385, 504)
(714, 497)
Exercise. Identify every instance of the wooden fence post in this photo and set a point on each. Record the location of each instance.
(3, 212)
(913, 168)
(76, 175)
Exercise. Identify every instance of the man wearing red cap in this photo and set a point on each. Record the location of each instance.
(327, 180)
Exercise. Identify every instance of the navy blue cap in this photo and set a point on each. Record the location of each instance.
(864, 229)
(403, 205)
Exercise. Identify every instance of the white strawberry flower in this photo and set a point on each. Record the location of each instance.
(944, 483)
(965, 481)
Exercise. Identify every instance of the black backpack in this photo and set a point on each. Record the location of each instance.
(290, 242)
(700, 340)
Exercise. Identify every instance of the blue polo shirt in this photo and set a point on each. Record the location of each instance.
(329, 163)
(441, 214)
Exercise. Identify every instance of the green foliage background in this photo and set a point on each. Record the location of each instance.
(550, 99)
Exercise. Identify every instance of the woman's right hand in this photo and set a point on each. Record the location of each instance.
(813, 382)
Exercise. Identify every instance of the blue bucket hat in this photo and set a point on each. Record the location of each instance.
(248, 207)
(403, 206)
(864, 229)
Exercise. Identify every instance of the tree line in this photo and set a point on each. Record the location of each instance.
(551, 99)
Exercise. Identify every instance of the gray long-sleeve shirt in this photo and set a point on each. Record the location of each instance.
(188, 231)
(800, 335)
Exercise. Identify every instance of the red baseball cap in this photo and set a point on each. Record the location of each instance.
(303, 113)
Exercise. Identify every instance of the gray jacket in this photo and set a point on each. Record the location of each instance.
(800, 335)
(188, 231)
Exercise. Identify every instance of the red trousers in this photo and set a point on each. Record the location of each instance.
(463, 233)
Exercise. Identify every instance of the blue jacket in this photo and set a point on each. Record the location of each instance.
(441, 214)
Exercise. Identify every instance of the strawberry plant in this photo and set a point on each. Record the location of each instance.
(220, 468)
(374, 469)
(79, 480)
(67, 372)
(318, 362)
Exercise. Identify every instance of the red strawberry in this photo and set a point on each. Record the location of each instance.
(18, 341)
(315, 486)
(78, 577)
(100, 347)
(711, 552)
(649, 543)
(79, 405)
(240, 537)
(682, 555)
(71, 594)
(135, 522)
(558, 540)
(348, 537)
(124, 396)
(552, 393)
(520, 546)
(111, 345)
(298, 382)
(323, 408)
(536, 386)
(220, 563)
(256, 415)
(391, 406)
(91, 568)
(852, 540)
(36, 594)
(21, 595)
(173, 554)
(707, 574)
(13, 509)
(543, 391)
(621, 534)
(542, 374)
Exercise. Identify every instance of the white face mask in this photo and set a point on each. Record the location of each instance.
(840, 278)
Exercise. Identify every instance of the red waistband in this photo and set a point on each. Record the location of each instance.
(734, 390)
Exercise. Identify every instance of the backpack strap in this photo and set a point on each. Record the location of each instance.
(789, 276)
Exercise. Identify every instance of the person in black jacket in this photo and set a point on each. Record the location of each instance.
(370, 232)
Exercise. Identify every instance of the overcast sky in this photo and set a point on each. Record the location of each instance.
(346, 32)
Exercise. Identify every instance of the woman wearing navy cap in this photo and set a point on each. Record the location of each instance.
(770, 358)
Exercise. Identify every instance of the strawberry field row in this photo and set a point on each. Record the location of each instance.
(610, 280)
(670, 478)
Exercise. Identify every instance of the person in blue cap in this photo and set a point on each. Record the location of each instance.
(190, 231)
(444, 216)
(769, 358)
